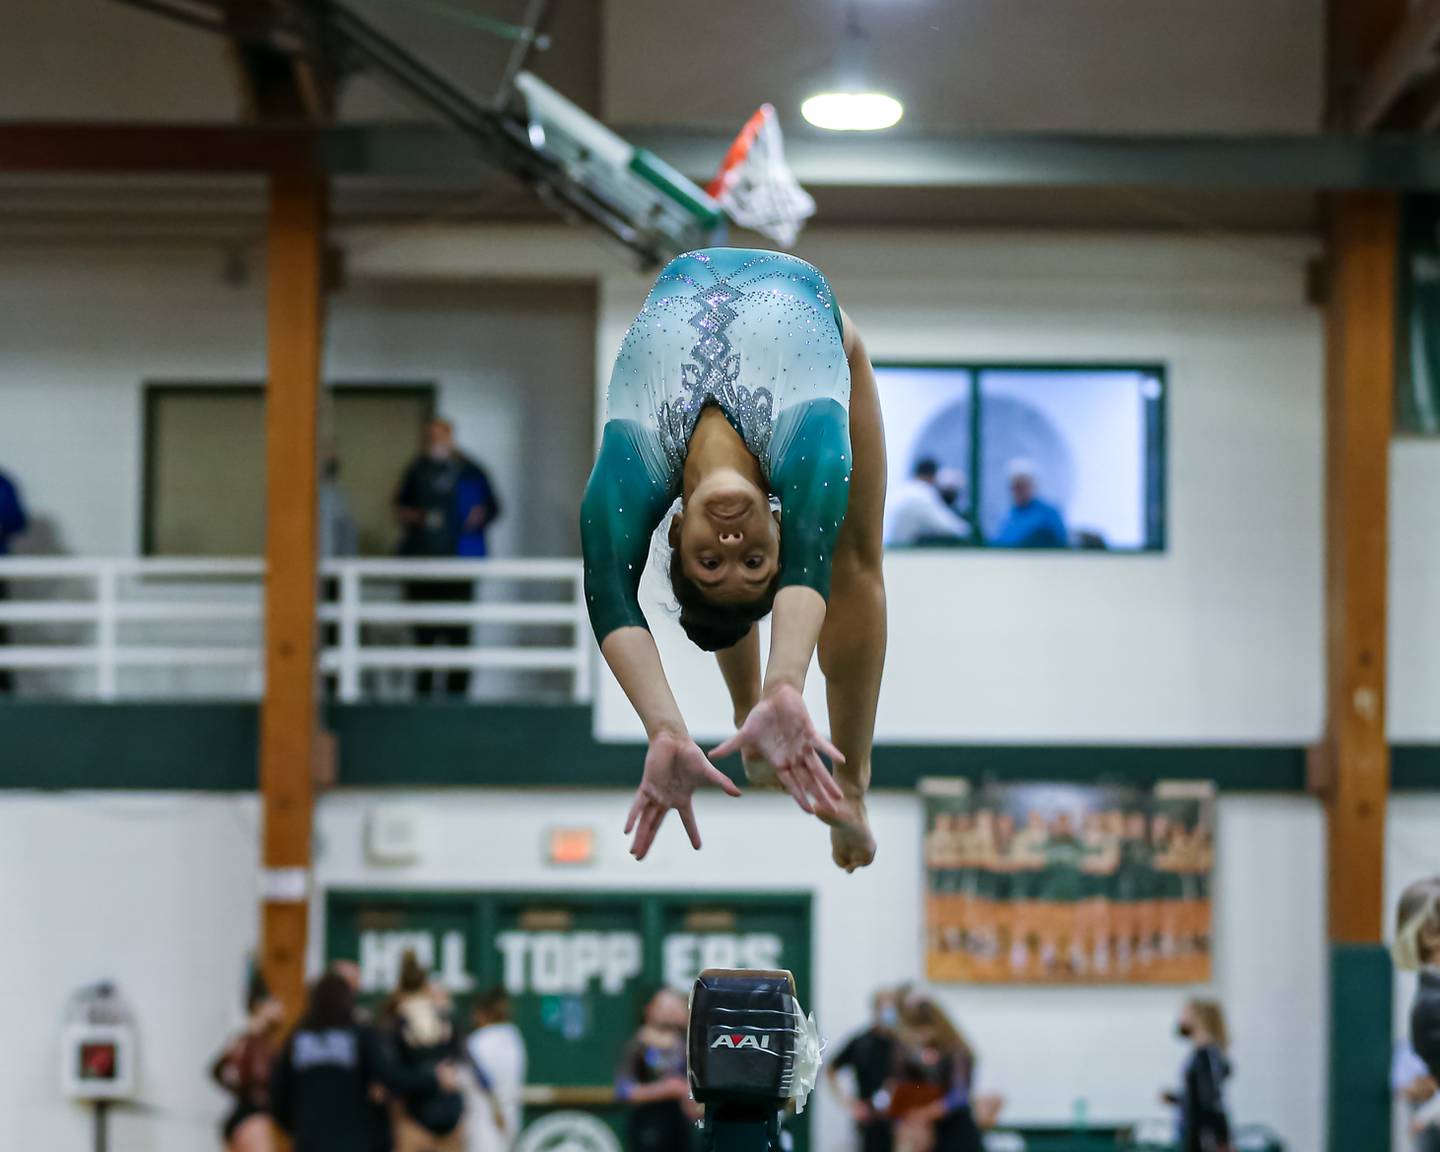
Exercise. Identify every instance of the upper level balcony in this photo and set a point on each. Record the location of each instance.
(132, 629)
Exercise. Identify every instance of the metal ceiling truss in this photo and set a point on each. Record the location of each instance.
(331, 41)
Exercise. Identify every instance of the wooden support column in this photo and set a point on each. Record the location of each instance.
(1351, 769)
(288, 728)
(1360, 369)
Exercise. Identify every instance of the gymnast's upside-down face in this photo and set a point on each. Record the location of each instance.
(727, 539)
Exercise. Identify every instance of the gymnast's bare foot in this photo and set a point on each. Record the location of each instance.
(852, 844)
(761, 773)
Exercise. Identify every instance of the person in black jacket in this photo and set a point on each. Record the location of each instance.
(1203, 1125)
(321, 1089)
(1417, 949)
(870, 1056)
(651, 1080)
(422, 1027)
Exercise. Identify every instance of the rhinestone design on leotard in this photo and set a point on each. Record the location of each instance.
(713, 376)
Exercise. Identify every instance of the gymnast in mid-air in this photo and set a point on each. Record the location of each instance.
(743, 406)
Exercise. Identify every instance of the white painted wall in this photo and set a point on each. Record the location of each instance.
(157, 893)
(1043, 1048)
(1414, 640)
(81, 330)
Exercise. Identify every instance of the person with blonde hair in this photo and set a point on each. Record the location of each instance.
(1417, 949)
(423, 1032)
(1202, 1122)
(935, 1078)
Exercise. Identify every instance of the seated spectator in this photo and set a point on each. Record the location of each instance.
(920, 511)
(1032, 523)
(445, 505)
(13, 521)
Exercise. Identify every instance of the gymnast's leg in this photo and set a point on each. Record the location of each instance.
(852, 656)
(852, 641)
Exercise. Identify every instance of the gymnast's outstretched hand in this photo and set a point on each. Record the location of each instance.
(674, 767)
(779, 731)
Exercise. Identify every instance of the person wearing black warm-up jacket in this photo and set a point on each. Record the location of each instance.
(1203, 1124)
(321, 1092)
(870, 1056)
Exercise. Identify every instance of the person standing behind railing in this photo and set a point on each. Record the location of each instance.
(13, 521)
(445, 504)
(339, 537)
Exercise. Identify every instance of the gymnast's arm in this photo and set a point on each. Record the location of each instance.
(621, 506)
(633, 657)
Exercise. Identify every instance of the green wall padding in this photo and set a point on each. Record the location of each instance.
(1360, 1048)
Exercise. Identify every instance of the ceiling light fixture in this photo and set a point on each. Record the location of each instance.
(852, 111)
(853, 104)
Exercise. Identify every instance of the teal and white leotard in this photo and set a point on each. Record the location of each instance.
(758, 334)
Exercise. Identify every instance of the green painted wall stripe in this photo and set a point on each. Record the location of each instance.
(213, 746)
(208, 747)
(1415, 767)
(1360, 1047)
(389, 744)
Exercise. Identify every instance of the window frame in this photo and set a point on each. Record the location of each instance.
(1157, 444)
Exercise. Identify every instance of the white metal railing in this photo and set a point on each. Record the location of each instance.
(114, 629)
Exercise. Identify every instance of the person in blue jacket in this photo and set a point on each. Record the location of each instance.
(13, 522)
(1031, 523)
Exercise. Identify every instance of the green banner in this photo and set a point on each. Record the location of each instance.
(578, 967)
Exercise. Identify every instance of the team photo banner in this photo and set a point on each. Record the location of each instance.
(1062, 883)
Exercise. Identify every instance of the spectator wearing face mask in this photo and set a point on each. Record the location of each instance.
(922, 509)
(1202, 1121)
(870, 1057)
(652, 1083)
